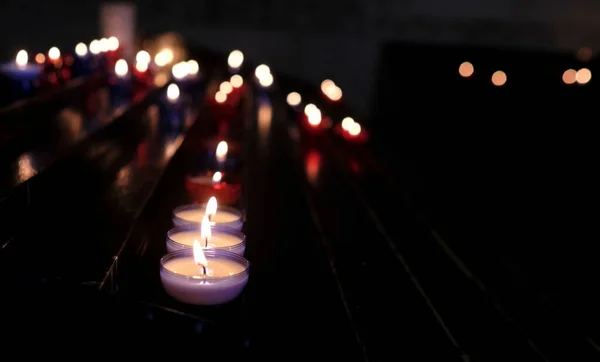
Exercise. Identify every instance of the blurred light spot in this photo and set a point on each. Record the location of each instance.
(104, 45)
(180, 70)
(113, 43)
(466, 69)
(193, 67)
(327, 85)
(22, 58)
(294, 99)
(236, 80)
(121, 68)
(262, 71)
(81, 49)
(54, 53)
(95, 47)
(314, 117)
(569, 76)
(312, 166)
(347, 123)
(583, 76)
(26, 168)
(171, 147)
(173, 92)
(265, 115)
(499, 78)
(220, 97)
(226, 87)
(141, 67)
(40, 58)
(309, 108)
(235, 59)
(142, 57)
(354, 129)
(266, 81)
(160, 79)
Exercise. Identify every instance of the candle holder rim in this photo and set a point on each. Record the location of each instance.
(229, 209)
(217, 228)
(208, 253)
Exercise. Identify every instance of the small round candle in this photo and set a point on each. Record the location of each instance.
(222, 238)
(201, 188)
(219, 281)
(193, 214)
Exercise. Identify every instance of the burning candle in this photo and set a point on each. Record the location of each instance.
(201, 188)
(221, 238)
(223, 216)
(203, 277)
(221, 153)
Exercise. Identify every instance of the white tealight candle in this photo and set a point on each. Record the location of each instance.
(193, 214)
(220, 280)
(222, 238)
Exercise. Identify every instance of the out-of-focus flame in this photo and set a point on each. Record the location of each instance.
(266, 81)
(217, 177)
(262, 71)
(313, 114)
(180, 70)
(312, 165)
(121, 68)
(22, 58)
(354, 129)
(347, 123)
(294, 99)
(235, 59)
(499, 78)
(193, 67)
(226, 87)
(220, 97)
(466, 69)
(54, 53)
(221, 152)
(142, 57)
(164, 57)
(40, 58)
(173, 92)
(104, 45)
(211, 208)
(141, 67)
(327, 86)
(236, 81)
(113, 43)
(205, 231)
(81, 49)
(309, 108)
(160, 79)
(95, 47)
(583, 76)
(569, 76)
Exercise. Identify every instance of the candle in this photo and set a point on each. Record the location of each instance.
(198, 277)
(201, 188)
(235, 61)
(223, 216)
(221, 238)
(221, 153)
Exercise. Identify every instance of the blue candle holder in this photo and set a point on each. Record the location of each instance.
(22, 78)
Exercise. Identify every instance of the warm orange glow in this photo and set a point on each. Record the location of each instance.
(335, 94)
(236, 81)
(217, 177)
(583, 76)
(220, 97)
(294, 99)
(314, 117)
(40, 58)
(121, 68)
(327, 86)
(466, 69)
(569, 76)
(312, 165)
(104, 45)
(211, 207)
(221, 152)
(160, 79)
(499, 78)
(309, 108)
(226, 87)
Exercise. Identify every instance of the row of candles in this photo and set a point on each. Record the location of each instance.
(205, 263)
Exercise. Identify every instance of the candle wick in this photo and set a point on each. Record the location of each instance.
(206, 242)
(204, 269)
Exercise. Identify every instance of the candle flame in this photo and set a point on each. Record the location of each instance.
(221, 152)
(235, 59)
(54, 53)
(199, 257)
(22, 58)
(217, 177)
(121, 68)
(211, 208)
(173, 92)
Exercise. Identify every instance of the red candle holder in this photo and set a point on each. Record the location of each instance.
(315, 128)
(201, 188)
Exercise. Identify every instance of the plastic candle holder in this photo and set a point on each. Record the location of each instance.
(222, 238)
(226, 276)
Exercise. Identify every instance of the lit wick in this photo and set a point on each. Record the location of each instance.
(199, 257)
(211, 208)
(205, 232)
